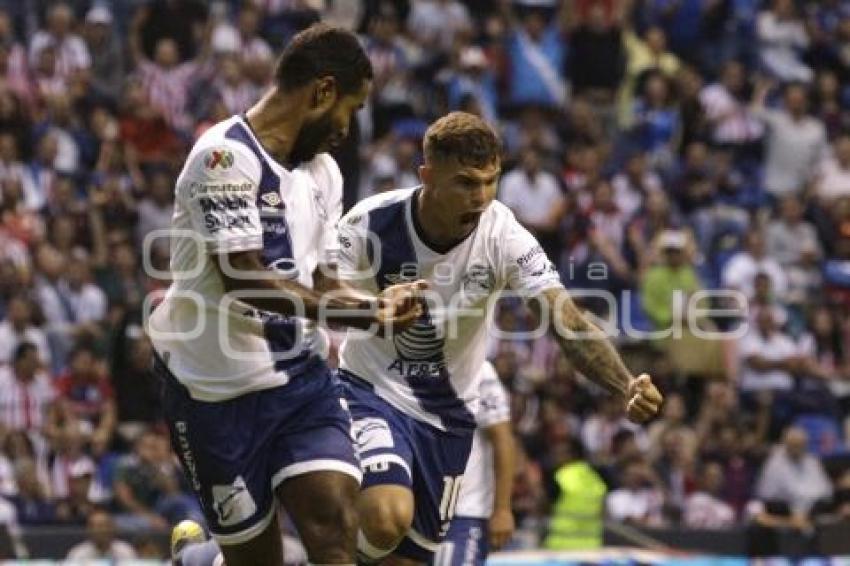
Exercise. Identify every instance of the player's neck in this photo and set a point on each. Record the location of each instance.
(274, 124)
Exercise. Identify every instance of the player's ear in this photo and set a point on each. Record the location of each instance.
(325, 93)
(426, 174)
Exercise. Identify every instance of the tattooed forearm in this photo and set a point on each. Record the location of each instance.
(585, 345)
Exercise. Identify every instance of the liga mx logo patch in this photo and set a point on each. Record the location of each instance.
(218, 159)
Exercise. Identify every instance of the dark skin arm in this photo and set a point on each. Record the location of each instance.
(332, 303)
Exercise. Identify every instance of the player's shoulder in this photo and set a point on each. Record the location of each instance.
(498, 221)
(224, 151)
(390, 202)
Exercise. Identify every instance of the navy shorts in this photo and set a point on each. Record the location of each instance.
(236, 452)
(397, 449)
(466, 544)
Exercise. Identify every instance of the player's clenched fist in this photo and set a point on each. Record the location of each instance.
(644, 399)
(400, 305)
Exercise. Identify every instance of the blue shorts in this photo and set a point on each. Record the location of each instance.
(397, 449)
(466, 544)
(236, 452)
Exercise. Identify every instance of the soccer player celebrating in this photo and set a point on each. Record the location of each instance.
(254, 413)
(413, 397)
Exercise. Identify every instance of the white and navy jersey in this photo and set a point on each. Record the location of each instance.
(430, 371)
(478, 487)
(233, 196)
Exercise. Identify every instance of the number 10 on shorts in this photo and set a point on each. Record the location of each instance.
(451, 492)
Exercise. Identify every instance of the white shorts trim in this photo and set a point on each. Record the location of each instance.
(251, 532)
(322, 465)
(420, 540)
(394, 458)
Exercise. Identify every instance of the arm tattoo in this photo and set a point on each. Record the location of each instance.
(591, 351)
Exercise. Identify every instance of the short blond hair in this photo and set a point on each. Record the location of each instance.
(464, 137)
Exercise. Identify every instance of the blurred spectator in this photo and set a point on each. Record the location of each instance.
(67, 454)
(639, 499)
(244, 39)
(834, 175)
(473, 82)
(634, 183)
(147, 487)
(727, 109)
(789, 236)
(389, 53)
(167, 80)
(536, 54)
(782, 35)
(31, 501)
(18, 328)
(232, 87)
(673, 418)
(578, 503)
(642, 55)
(436, 24)
(107, 56)
(704, 508)
(827, 104)
(599, 429)
(535, 197)
(136, 387)
(27, 398)
(71, 52)
(795, 142)
(87, 395)
(657, 122)
(597, 57)
(181, 22)
(101, 543)
(769, 358)
(40, 172)
(156, 208)
(77, 506)
(674, 277)
(741, 270)
(792, 476)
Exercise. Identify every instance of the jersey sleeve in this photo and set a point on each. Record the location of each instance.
(494, 404)
(352, 239)
(219, 189)
(525, 267)
(328, 178)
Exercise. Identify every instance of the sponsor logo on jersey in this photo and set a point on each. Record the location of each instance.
(196, 188)
(218, 159)
(214, 222)
(529, 255)
(271, 199)
(478, 279)
(223, 203)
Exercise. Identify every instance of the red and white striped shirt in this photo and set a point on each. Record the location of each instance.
(237, 98)
(168, 89)
(72, 53)
(23, 406)
(733, 122)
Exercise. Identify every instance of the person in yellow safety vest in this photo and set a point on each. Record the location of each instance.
(577, 516)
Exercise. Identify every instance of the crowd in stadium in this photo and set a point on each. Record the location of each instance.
(656, 148)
